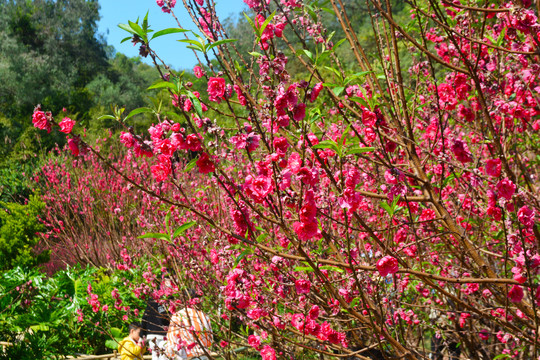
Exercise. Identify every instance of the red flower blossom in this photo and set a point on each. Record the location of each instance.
(66, 125)
(205, 164)
(526, 216)
(41, 120)
(387, 265)
(216, 89)
(515, 294)
(506, 188)
(267, 353)
(493, 167)
(302, 286)
(162, 169)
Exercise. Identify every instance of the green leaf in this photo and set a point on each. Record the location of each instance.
(125, 39)
(168, 31)
(255, 54)
(167, 220)
(261, 237)
(196, 48)
(303, 268)
(138, 111)
(112, 344)
(338, 90)
(308, 53)
(138, 30)
(266, 22)
(116, 333)
(181, 229)
(327, 144)
(196, 104)
(127, 28)
(252, 24)
(331, 268)
(322, 57)
(336, 45)
(359, 150)
(190, 165)
(241, 256)
(220, 42)
(154, 236)
(358, 99)
(110, 117)
(163, 84)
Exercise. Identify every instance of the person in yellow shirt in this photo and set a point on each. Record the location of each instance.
(132, 347)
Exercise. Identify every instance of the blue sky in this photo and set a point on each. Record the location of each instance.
(114, 12)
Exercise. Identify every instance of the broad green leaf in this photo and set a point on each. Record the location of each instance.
(359, 150)
(110, 117)
(327, 144)
(154, 236)
(112, 344)
(138, 111)
(261, 237)
(331, 268)
(138, 30)
(266, 22)
(163, 84)
(196, 104)
(183, 228)
(252, 24)
(220, 42)
(127, 28)
(168, 31)
(303, 268)
(338, 90)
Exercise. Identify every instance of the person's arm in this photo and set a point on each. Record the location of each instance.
(132, 349)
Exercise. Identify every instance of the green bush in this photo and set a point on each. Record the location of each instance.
(19, 228)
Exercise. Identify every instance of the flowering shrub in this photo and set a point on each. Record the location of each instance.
(337, 210)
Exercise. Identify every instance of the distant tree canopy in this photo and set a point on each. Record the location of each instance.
(52, 54)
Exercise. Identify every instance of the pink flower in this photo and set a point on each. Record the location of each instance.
(315, 92)
(127, 139)
(506, 188)
(493, 167)
(162, 169)
(254, 341)
(198, 72)
(483, 334)
(295, 162)
(461, 152)
(216, 89)
(313, 312)
(223, 343)
(302, 286)
(73, 144)
(267, 353)
(205, 164)
(299, 112)
(193, 142)
(387, 265)
(515, 294)
(41, 120)
(526, 216)
(66, 125)
(298, 321)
